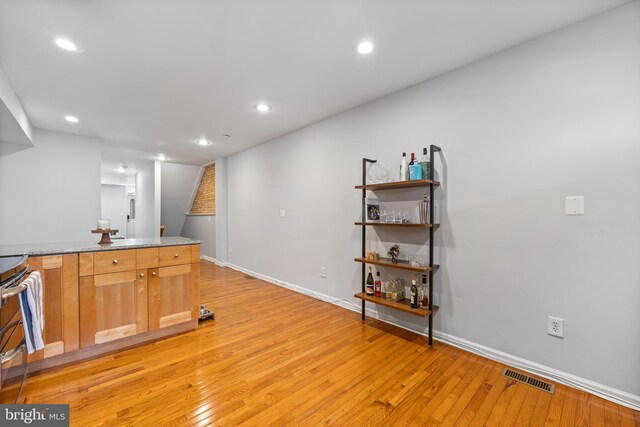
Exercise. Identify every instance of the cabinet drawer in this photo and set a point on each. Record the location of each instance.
(147, 258)
(114, 261)
(174, 255)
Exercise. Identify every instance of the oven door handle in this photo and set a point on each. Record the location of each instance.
(8, 356)
(13, 291)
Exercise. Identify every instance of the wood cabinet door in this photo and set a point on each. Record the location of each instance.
(110, 306)
(172, 297)
(60, 300)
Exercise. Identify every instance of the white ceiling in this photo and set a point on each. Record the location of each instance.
(156, 74)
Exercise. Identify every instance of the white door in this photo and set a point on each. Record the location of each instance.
(131, 217)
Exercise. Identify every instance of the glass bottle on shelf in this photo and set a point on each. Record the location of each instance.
(415, 170)
(425, 292)
(404, 168)
(378, 285)
(369, 289)
(425, 164)
(414, 293)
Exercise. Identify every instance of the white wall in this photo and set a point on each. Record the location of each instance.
(178, 184)
(114, 207)
(51, 191)
(221, 235)
(148, 193)
(203, 228)
(120, 179)
(520, 130)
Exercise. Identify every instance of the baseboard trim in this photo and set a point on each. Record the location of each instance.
(609, 393)
(210, 259)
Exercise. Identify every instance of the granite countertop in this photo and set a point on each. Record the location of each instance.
(36, 249)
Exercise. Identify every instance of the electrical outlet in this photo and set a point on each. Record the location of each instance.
(230, 249)
(323, 272)
(555, 327)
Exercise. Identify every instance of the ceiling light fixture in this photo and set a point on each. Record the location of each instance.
(161, 157)
(71, 119)
(203, 142)
(262, 108)
(365, 48)
(123, 168)
(66, 45)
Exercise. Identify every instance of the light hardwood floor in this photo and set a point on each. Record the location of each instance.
(275, 357)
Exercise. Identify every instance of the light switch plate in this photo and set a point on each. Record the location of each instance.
(574, 205)
(283, 213)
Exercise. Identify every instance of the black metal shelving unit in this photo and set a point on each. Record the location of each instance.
(431, 226)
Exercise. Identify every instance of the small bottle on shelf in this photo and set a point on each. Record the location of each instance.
(425, 292)
(415, 169)
(378, 285)
(369, 289)
(404, 168)
(414, 293)
(425, 164)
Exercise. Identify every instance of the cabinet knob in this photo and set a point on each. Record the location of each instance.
(141, 274)
(115, 261)
(176, 255)
(153, 273)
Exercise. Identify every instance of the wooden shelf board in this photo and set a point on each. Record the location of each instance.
(402, 305)
(398, 184)
(386, 262)
(390, 224)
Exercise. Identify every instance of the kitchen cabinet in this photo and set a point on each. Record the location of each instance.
(173, 298)
(127, 292)
(60, 299)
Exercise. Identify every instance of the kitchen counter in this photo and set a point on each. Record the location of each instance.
(40, 249)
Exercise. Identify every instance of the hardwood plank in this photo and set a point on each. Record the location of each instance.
(391, 224)
(401, 265)
(294, 360)
(397, 185)
(402, 305)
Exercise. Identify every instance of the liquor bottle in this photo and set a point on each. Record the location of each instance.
(369, 288)
(414, 294)
(378, 285)
(404, 168)
(425, 164)
(425, 292)
(415, 169)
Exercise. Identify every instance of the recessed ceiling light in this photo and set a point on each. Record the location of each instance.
(71, 119)
(262, 108)
(365, 48)
(161, 157)
(123, 168)
(203, 142)
(66, 45)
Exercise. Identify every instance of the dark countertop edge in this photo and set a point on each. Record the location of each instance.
(105, 248)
